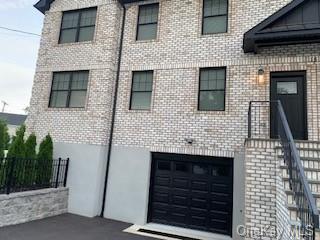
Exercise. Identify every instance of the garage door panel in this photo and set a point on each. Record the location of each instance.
(180, 200)
(219, 205)
(192, 192)
(180, 183)
(161, 197)
(221, 188)
(162, 180)
(198, 221)
(199, 185)
(199, 203)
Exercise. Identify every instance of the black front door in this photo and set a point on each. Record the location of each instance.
(290, 89)
(192, 192)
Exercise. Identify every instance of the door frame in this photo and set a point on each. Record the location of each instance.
(303, 74)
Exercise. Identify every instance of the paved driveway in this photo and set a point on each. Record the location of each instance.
(69, 227)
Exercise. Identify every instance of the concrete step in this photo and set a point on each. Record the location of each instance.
(304, 152)
(290, 199)
(313, 184)
(311, 173)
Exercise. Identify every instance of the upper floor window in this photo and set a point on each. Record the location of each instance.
(148, 22)
(69, 89)
(141, 92)
(215, 16)
(212, 89)
(78, 25)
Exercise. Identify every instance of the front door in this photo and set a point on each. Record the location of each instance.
(289, 88)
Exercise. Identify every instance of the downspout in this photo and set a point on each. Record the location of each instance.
(113, 111)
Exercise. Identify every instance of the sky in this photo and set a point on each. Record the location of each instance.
(18, 52)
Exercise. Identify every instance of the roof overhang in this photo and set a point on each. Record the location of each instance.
(278, 30)
(44, 5)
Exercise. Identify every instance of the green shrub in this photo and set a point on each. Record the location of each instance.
(6, 138)
(17, 147)
(30, 162)
(44, 161)
(30, 147)
(17, 151)
(2, 138)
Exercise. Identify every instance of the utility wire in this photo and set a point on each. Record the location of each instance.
(19, 31)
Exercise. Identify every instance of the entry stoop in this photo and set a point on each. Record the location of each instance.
(310, 156)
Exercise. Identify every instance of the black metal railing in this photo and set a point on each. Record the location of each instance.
(18, 175)
(307, 211)
(259, 119)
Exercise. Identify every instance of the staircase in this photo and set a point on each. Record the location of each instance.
(310, 156)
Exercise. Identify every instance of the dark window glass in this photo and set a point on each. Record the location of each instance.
(212, 89)
(215, 16)
(78, 26)
(141, 92)
(69, 89)
(199, 169)
(148, 22)
(182, 167)
(165, 166)
(220, 171)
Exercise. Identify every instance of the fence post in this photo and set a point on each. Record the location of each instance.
(58, 173)
(66, 173)
(11, 166)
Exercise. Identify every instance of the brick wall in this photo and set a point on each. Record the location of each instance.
(176, 57)
(91, 124)
(265, 200)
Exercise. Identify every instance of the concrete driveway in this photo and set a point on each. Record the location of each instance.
(69, 227)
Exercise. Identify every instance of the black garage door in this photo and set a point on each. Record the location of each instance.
(192, 192)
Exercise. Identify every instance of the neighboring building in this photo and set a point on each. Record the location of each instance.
(168, 96)
(13, 121)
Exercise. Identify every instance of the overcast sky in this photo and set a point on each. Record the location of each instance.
(18, 52)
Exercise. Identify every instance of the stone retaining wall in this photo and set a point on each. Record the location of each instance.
(28, 206)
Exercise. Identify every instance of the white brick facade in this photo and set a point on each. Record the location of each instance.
(176, 57)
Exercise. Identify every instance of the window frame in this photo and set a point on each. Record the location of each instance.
(78, 27)
(131, 92)
(219, 15)
(145, 24)
(225, 89)
(69, 90)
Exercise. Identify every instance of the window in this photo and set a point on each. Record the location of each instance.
(212, 89)
(78, 26)
(148, 22)
(141, 92)
(287, 88)
(215, 16)
(69, 89)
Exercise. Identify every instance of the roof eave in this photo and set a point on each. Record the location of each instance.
(44, 5)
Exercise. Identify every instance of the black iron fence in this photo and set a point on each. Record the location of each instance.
(18, 175)
(272, 113)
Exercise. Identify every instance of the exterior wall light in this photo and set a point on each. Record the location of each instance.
(261, 77)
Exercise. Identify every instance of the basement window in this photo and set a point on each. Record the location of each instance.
(69, 89)
(78, 26)
(148, 22)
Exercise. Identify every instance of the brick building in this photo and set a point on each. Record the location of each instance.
(158, 93)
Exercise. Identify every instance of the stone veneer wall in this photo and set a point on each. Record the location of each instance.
(23, 207)
(265, 201)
